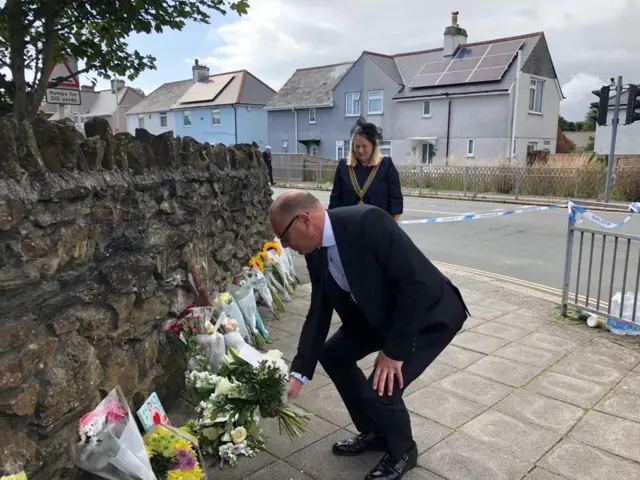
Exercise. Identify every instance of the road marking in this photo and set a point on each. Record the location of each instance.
(556, 292)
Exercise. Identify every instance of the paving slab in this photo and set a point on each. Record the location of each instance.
(276, 333)
(505, 371)
(612, 434)
(318, 462)
(522, 319)
(585, 365)
(494, 304)
(420, 473)
(472, 322)
(281, 446)
(544, 341)
(576, 461)
(544, 411)
(541, 474)
(459, 357)
(524, 439)
(480, 390)
(621, 404)
(326, 403)
(298, 305)
(443, 407)
(277, 471)
(482, 312)
(290, 322)
(573, 333)
(524, 353)
(630, 384)
(568, 389)
(478, 342)
(461, 457)
(501, 330)
(612, 354)
(245, 467)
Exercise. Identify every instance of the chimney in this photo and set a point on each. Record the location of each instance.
(200, 72)
(88, 88)
(454, 36)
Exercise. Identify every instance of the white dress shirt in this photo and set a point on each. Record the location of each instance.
(335, 267)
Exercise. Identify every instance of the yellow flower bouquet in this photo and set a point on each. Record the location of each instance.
(174, 454)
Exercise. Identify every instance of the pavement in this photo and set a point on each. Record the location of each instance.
(527, 247)
(519, 394)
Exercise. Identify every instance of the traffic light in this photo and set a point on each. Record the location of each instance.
(633, 104)
(602, 106)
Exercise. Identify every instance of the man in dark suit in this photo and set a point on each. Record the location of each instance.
(391, 299)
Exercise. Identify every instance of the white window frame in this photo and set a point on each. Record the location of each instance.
(384, 146)
(424, 113)
(352, 99)
(314, 150)
(216, 114)
(375, 95)
(163, 115)
(536, 96)
(339, 146)
(186, 115)
(312, 116)
(546, 146)
(140, 121)
(471, 147)
(534, 145)
(285, 146)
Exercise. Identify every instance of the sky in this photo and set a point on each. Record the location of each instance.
(591, 41)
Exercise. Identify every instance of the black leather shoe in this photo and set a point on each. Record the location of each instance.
(361, 443)
(389, 469)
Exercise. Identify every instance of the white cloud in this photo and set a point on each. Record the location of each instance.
(578, 96)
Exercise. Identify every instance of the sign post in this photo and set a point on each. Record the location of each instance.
(66, 92)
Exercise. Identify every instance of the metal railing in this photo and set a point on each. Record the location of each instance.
(598, 265)
(587, 182)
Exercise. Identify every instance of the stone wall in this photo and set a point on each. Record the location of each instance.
(96, 237)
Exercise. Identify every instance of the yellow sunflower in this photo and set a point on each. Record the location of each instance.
(257, 261)
(271, 246)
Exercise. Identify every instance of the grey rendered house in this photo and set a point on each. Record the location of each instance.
(462, 103)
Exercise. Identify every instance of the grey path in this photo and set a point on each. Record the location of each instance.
(529, 246)
(518, 395)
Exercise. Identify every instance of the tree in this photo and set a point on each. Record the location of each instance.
(140, 91)
(589, 124)
(36, 34)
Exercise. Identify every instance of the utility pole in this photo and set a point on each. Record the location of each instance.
(614, 133)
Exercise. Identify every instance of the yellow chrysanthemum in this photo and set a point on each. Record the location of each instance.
(271, 246)
(181, 444)
(257, 261)
(194, 474)
(17, 476)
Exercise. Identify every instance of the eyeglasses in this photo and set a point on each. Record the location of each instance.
(283, 235)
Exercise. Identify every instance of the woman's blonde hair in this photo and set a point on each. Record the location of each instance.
(376, 158)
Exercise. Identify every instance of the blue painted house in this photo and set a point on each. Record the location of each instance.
(224, 108)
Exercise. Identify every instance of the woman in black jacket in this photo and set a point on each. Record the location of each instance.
(365, 176)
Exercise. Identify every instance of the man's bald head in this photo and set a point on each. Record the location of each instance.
(292, 203)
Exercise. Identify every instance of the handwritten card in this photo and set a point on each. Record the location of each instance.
(152, 413)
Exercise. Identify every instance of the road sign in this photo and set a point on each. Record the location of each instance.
(63, 70)
(63, 96)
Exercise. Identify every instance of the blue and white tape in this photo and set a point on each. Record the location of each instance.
(576, 214)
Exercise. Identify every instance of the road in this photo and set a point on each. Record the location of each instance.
(528, 246)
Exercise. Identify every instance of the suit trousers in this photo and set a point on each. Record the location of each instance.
(385, 415)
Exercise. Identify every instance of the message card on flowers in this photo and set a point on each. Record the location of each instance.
(152, 413)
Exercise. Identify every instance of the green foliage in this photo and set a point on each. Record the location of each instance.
(589, 124)
(35, 34)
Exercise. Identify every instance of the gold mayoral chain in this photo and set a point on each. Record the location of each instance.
(362, 191)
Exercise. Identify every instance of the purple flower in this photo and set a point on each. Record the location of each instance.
(186, 460)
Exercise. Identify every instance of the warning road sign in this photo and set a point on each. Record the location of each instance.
(63, 70)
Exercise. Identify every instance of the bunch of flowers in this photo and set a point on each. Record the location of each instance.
(253, 384)
(15, 476)
(108, 443)
(174, 454)
(242, 293)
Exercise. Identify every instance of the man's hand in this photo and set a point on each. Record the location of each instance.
(385, 371)
(295, 386)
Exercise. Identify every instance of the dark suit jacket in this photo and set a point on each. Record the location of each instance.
(401, 294)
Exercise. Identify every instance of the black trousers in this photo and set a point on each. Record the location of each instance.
(386, 415)
(270, 168)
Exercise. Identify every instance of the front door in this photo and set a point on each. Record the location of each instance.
(427, 153)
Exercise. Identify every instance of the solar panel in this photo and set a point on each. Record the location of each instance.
(478, 63)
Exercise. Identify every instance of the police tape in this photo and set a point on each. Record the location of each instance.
(576, 214)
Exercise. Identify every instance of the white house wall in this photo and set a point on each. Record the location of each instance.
(151, 123)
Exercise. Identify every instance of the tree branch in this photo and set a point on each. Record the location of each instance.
(47, 61)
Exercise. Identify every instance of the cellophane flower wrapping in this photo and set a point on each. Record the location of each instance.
(174, 453)
(228, 305)
(260, 285)
(246, 300)
(108, 443)
(212, 342)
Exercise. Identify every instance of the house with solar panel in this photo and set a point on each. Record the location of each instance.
(477, 103)
(223, 108)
